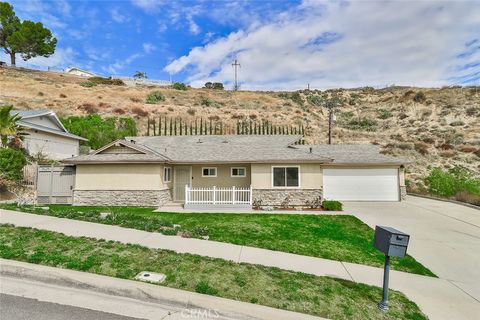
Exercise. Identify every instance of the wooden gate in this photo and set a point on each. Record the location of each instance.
(55, 184)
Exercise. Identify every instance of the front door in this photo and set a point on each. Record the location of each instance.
(181, 177)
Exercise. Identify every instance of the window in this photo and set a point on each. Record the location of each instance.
(238, 172)
(286, 177)
(167, 174)
(209, 172)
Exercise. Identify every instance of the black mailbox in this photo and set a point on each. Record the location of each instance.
(390, 241)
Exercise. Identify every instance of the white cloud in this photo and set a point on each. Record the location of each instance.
(193, 26)
(148, 5)
(62, 58)
(118, 17)
(149, 47)
(339, 44)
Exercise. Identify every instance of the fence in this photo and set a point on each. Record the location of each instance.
(218, 197)
(29, 175)
(55, 184)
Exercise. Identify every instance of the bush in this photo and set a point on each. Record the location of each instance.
(419, 97)
(154, 97)
(140, 111)
(88, 84)
(384, 114)
(214, 85)
(107, 81)
(361, 124)
(204, 101)
(332, 205)
(179, 86)
(12, 162)
(100, 131)
(88, 108)
(450, 182)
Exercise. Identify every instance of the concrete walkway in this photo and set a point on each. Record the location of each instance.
(438, 298)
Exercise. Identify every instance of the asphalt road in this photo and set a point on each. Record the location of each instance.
(19, 308)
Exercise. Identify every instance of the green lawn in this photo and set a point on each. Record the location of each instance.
(336, 237)
(322, 296)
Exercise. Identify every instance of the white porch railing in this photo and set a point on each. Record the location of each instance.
(218, 196)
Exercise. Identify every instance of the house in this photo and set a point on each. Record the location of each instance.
(79, 72)
(233, 170)
(46, 135)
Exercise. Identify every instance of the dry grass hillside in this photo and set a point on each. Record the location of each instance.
(431, 127)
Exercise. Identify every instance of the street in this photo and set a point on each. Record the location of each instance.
(20, 308)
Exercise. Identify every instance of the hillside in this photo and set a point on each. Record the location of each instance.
(431, 127)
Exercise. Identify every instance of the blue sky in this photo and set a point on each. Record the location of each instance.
(280, 44)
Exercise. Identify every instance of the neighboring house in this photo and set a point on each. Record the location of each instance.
(244, 169)
(79, 72)
(47, 135)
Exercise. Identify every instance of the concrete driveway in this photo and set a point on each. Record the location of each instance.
(445, 237)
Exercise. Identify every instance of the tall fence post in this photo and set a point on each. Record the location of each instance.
(214, 195)
(233, 194)
(251, 195)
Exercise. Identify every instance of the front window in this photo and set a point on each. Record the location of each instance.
(167, 174)
(239, 172)
(287, 177)
(209, 172)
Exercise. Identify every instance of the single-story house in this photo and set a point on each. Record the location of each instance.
(79, 72)
(234, 170)
(47, 135)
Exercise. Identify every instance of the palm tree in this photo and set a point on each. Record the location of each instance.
(8, 125)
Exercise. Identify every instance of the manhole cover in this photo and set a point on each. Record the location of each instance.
(148, 276)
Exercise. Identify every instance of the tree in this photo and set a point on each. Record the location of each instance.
(208, 85)
(140, 75)
(27, 38)
(8, 125)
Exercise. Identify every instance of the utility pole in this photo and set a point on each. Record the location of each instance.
(330, 120)
(235, 64)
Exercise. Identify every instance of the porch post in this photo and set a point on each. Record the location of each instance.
(233, 194)
(251, 195)
(186, 194)
(214, 195)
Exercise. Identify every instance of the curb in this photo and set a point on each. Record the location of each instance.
(444, 200)
(174, 298)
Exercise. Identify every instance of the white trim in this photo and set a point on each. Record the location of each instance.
(242, 176)
(164, 175)
(286, 166)
(209, 176)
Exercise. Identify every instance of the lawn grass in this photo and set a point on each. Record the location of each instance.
(321, 296)
(336, 237)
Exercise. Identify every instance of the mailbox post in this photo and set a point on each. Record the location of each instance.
(393, 243)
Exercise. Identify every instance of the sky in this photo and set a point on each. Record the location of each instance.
(280, 45)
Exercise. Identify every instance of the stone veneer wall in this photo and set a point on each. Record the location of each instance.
(138, 198)
(286, 197)
(403, 193)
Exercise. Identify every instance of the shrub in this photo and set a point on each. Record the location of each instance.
(88, 84)
(361, 124)
(191, 111)
(100, 131)
(457, 123)
(135, 99)
(154, 97)
(384, 114)
(63, 95)
(468, 148)
(88, 108)
(205, 288)
(107, 81)
(139, 111)
(472, 111)
(421, 147)
(12, 162)
(179, 86)
(217, 86)
(332, 205)
(419, 97)
(119, 111)
(204, 101)
(450, 182)
(447, 153)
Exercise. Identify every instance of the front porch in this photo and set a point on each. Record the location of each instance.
(204, 198)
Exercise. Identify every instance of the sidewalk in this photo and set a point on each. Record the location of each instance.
(438, 298)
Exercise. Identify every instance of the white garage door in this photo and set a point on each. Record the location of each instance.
(361, 184)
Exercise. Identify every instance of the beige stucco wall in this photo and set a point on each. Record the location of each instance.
(53, 146)
(223, 178)
(119, 177)
(310, 175)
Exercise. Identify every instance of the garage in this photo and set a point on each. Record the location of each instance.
(372, 184)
